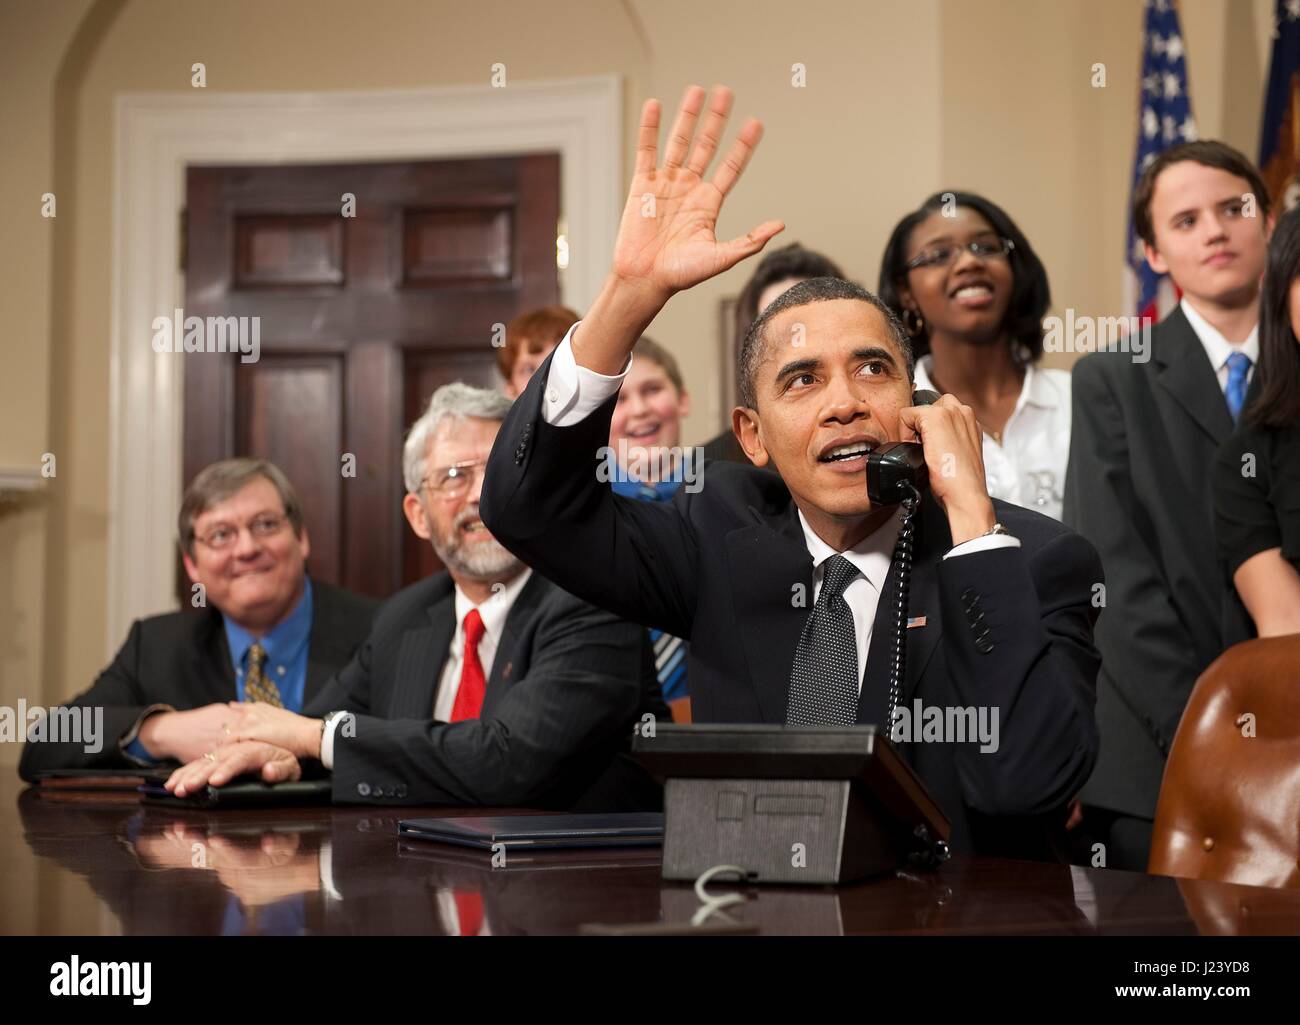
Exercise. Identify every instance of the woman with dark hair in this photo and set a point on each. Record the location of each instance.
(971, 292)
(778, 272)
(1257, 472)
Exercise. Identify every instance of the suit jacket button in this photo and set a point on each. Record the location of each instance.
(377, 791)
(363, 789)
(399, 790)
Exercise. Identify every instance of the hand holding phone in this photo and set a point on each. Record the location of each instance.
(952, 445)
(896, 471)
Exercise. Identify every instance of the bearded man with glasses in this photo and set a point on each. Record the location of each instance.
(259, 631)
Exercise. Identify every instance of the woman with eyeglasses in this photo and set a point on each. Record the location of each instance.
(972, 294)
(1257, 472)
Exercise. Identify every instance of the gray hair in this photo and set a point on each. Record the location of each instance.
(814, 290)
(458, 401)
(218, 481)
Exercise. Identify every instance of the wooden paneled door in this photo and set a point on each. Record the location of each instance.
(373, 285)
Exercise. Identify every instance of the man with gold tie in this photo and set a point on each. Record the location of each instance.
(260, 630)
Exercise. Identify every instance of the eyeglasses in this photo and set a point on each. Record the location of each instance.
(225, 535)
(946, 254)
(455, 480)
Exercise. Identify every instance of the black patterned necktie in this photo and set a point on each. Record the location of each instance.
(824, 679)
(257, 686)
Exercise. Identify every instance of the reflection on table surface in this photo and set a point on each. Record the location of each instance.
(107, 864)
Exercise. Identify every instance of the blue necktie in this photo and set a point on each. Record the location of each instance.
(670, 664)
(1238, 368)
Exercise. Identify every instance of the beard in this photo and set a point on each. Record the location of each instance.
(483, 559)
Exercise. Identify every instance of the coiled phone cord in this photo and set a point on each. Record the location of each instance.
(930, 852)
(903, 562)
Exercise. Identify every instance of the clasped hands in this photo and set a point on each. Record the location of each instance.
(257, 738)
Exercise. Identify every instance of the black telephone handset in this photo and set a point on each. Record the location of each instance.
(896, 471)
(897, 475)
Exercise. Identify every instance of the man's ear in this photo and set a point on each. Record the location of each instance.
(191, 570)
(744, 422)
(1154, 258)
(304, 542)
(683, 403)
(415, 516)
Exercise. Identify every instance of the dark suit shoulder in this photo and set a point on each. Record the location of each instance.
(175, 629)
(410, 605)
(555, 602)
(736, 491)
(1170, 340)
(341, 602)
(1109, 369)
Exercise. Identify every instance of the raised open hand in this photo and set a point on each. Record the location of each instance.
(666, 240)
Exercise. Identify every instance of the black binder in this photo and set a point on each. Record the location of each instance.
(540, 832)
(242, 794)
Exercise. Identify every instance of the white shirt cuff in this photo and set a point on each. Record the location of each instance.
(983, 543)
(572, 393)
(327, 741)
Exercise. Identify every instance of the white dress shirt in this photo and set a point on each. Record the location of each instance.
(1028, 468)
(1218, 348)
(572, 393)
(493, 612)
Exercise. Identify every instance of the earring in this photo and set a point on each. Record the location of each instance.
(913, 321)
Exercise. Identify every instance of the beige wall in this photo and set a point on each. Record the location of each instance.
(33, 42)
(903, 97)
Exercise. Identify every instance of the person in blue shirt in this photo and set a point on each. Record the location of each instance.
(646, 461)
(259, 630)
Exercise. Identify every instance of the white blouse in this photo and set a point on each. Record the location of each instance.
(1028, 468)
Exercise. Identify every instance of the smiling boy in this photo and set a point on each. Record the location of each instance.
(1139, 483)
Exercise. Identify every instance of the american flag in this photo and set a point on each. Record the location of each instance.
(1279, 146)
(1164, 120)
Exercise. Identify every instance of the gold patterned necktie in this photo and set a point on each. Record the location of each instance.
(257, 687)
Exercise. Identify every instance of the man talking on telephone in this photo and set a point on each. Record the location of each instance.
(784, 583)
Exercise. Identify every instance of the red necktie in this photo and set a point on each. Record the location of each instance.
(469, 911)
(469, 697)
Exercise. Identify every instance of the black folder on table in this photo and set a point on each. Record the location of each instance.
(126, 778)
(247, 793)
(541, 832)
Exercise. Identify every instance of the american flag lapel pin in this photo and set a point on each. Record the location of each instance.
(915, 621)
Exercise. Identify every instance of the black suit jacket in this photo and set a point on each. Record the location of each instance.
(181, 659)
(1142, 449)
(722, 567)
(568, 682)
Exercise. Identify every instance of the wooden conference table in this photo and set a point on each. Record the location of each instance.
(109, 865)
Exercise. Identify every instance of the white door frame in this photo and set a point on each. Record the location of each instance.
(157, 135)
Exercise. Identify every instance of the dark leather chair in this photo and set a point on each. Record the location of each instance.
(1229, 804)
